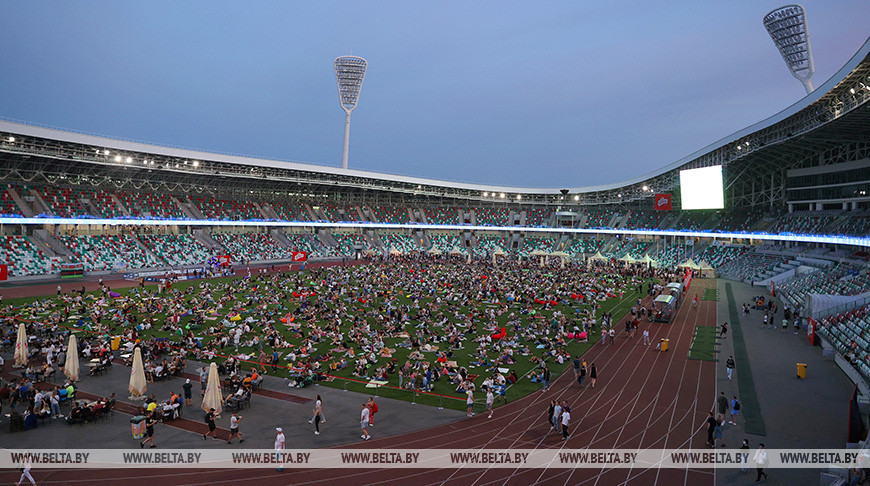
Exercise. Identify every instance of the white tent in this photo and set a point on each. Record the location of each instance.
(138, 385)
(538, 253)
(690, 264)
(71, 367)
(628, 258)
(598, 256)
(434, 251)
(706, 270)
(213, 398)
(21, 352)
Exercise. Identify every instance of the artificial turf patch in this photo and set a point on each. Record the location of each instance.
(754, 422)
(703, 344)
(711, 294)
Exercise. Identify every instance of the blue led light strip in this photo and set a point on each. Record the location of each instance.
(800, 238)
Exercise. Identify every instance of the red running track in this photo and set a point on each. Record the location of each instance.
(644, 399)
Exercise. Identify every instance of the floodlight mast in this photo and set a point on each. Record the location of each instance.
(349, 72)
(787, 27)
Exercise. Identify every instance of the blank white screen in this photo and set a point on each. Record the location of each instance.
(702, 188)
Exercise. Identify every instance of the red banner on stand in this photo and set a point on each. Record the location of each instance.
(811, 330)
(663, 202)
(4, 272)
(300, 256)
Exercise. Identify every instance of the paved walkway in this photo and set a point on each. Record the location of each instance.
(810, 413)
(276, 405)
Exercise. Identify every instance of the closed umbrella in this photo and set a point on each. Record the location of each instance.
(138, 385)
(213, 398)
(71, 367)
(21, 353)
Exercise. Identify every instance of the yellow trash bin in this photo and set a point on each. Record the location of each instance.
(116, 343)
(802, 370)
(664, 344)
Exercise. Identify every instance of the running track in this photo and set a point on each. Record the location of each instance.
(644, 399)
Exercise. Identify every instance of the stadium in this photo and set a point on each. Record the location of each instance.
(273, 283)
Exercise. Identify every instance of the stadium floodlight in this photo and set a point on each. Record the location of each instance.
(349, 72)
(787, 27)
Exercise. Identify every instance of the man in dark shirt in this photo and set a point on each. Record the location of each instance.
(212, 428)
(711, 425)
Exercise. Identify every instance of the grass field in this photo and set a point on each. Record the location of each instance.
(237, 296)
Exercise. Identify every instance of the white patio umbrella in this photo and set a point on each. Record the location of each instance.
(213, 398)
(138, 385)
(71, 367)
(21, 353)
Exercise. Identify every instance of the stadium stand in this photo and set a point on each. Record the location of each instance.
(487, 245)
(598, 218)
(177, 250)
(530, 244)
(143, 204)
(24, 258)
(638, 219)
(838, 279)
(108, 252)
(849, 333)
(251, 246)
(442, 214)
(386, 214)
(226, 210)
(538, 217)
(445, 243)
(400, 242)
(492, 216)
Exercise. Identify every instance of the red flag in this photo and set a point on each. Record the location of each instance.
(663, 202)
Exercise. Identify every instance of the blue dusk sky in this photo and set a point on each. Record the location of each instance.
(530, 94)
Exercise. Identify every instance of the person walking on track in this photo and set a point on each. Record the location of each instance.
(545, 378)
(150, 420)
(711, 427)
(593, 374)
(724, 332)
(557, 417)
(735, 411)
(646, 339)
(279, 446)
(25, 471)
(729, 366)
(566, 420)
(469, 401)
(760, 459)
(364, 422)
(318, 415)
(721, 403)
(373, 409)
(489, 399)
(212, 428)
(550, 411)
(234, 428)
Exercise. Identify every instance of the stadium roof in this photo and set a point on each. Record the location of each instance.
(843, 95)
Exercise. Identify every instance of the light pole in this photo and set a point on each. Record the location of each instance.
(787, 27)
(349, 72)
